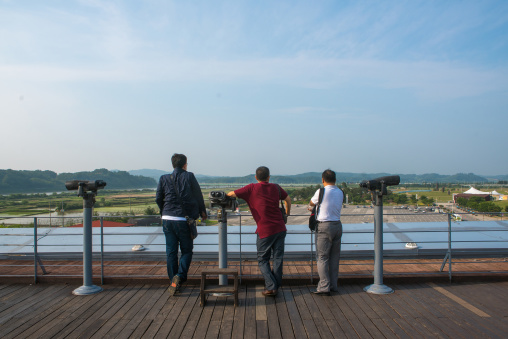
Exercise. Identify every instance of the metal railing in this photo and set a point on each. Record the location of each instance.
(444, 247)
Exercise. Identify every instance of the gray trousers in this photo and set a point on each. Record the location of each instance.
(328, 238)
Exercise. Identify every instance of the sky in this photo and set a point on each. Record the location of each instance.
(402, 87)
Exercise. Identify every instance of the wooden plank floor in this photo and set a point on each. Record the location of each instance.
(116, 271)
(424, 310)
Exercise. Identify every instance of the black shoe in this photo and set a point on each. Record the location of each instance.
(175, 285)
(322, 293)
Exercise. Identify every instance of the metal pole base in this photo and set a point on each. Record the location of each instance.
(378, 289)
(87, 290)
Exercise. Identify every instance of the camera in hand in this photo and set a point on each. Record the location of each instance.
(221, 199)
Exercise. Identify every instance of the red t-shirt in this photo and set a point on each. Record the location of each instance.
(263, 201)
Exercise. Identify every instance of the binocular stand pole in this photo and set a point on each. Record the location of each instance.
(88, 286)
(378, 287)
(223, 246)
(223, 252)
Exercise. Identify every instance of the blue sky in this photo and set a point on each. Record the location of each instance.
(298, 86)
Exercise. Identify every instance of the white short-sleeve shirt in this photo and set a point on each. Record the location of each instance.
(331, 205)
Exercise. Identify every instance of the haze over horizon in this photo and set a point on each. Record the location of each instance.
(409, 87)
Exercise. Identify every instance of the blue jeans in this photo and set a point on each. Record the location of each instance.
(274, 243)
(178, 233)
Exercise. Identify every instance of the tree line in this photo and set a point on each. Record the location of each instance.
(358, 196)
(13, 181)
(479, 204)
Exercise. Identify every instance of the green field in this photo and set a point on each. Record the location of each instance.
(136, 202)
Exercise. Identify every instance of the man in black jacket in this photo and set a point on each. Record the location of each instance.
(176, 207)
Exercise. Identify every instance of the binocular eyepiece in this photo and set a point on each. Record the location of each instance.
(378, 183)
(85, 186)
(218, 195)
(221, 199)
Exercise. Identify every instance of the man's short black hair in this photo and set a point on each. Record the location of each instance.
(178, 160)
(329, 176)
(262, 173)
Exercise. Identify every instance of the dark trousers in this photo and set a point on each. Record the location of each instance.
(178, 235)
(265, 247)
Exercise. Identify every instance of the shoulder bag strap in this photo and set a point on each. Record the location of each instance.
(343, 195)
(280, 197)
(320, 200)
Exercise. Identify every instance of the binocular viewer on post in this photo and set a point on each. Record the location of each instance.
(221, 199)
(380, 183)
(83, 186)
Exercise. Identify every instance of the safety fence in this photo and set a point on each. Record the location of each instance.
(410, 249)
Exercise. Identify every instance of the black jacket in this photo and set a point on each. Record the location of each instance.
(190, 193)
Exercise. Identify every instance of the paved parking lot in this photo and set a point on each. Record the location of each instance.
(353, 214)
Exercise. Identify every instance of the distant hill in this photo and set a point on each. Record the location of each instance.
(315, 178)
(304, 178)
(498, 177)
(150, 173)
(12, 181)
(156, 174)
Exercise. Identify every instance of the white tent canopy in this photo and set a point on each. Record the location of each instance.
(473, 190)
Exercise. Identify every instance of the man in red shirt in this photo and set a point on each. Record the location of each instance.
(263, 200)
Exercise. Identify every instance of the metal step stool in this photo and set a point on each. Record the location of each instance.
(216, 288)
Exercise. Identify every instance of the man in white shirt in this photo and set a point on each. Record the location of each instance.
(328, 233)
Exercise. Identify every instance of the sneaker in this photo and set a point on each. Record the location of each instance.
(175, 285)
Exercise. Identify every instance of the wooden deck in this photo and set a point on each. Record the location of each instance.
(70, 271)
(424, 310)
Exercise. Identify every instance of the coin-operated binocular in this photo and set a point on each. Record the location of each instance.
(377, 188)
(83, 186)
(380, 184)
(222, 200)
(87, 190)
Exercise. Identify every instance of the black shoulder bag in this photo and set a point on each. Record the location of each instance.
(282, 208)
(313, 223)
(190, 222)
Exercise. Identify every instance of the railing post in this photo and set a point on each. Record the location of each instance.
(102, 250)
(241, 272)
(35, 250)
(312, 257)
(448, 256)
(449, 247)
